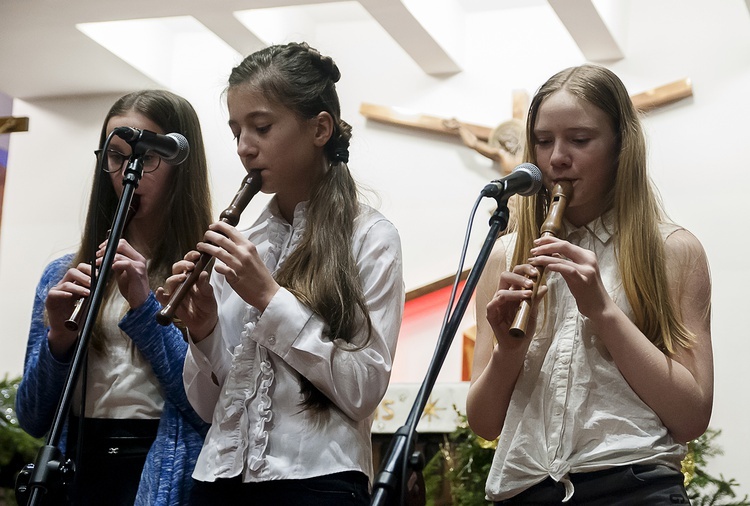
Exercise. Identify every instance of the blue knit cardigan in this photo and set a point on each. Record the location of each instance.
(166, 478)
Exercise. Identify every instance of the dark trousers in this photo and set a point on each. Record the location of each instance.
(108, 471)
(340, 489)
(620, 486)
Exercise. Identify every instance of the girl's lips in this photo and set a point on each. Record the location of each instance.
(571, 182)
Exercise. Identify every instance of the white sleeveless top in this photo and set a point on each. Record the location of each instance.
(572, 411)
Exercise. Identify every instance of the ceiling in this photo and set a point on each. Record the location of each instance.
(44, 54)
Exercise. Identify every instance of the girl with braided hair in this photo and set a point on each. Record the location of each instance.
(292, 336)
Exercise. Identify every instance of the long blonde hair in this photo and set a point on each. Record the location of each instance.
(321, 271)
(637, 208)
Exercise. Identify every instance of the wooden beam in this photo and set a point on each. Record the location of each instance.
(663, 95)
(645, 101)
(520, 104)
(394, 116)
(9, 124)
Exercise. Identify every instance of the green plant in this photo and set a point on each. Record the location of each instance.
(17, 448)
(465, 459)
(703, 488)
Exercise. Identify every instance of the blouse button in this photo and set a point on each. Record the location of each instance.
(272, 339)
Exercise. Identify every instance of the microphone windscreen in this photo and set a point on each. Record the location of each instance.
(183, 149)
(536, 178)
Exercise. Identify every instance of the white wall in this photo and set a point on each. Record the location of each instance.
(428, 183)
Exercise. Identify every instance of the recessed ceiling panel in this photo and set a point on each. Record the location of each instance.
(161, 47)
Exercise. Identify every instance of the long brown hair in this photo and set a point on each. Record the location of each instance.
(321, 271)
(638, 211)
(187, 207)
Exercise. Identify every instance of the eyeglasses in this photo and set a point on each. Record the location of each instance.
(116, 161)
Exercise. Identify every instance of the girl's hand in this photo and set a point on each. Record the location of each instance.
(198, 310)
(241, 264)
(129, 268)
(60, 302)
(579, 269)
(514, 287)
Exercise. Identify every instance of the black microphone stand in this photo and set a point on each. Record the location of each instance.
(389, 486)
(51, 471)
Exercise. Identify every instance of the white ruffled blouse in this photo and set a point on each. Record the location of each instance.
(246, 376)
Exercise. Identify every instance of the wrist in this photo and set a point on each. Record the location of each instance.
(268, 297)
(138, 300)
(60, 344)
(512, 348)
(606, 318)
(200, 332)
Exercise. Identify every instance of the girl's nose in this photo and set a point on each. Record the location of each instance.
(246, 147)
(560, 156)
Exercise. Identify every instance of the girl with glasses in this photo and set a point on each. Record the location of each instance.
(138, 438)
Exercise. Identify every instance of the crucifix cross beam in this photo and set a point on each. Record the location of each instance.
(10, 124)
(644, 102)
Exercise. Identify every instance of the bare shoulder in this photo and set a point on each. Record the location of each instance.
(687, 265)
(501, 253)
(683, 248)
(496, 264)
(498, 258)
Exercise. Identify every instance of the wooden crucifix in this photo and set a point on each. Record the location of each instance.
(477, 136)
(644, 102)
(10, 124)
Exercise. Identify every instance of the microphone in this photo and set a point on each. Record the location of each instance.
(173, 148)
(525, 179)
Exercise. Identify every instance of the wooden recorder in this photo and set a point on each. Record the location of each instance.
(561, 193)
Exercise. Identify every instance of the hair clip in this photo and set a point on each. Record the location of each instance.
(341, 155)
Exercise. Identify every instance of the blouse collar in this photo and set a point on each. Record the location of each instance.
(602, 227)
(300, 213)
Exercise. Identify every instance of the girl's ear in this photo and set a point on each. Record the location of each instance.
(323, 128)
